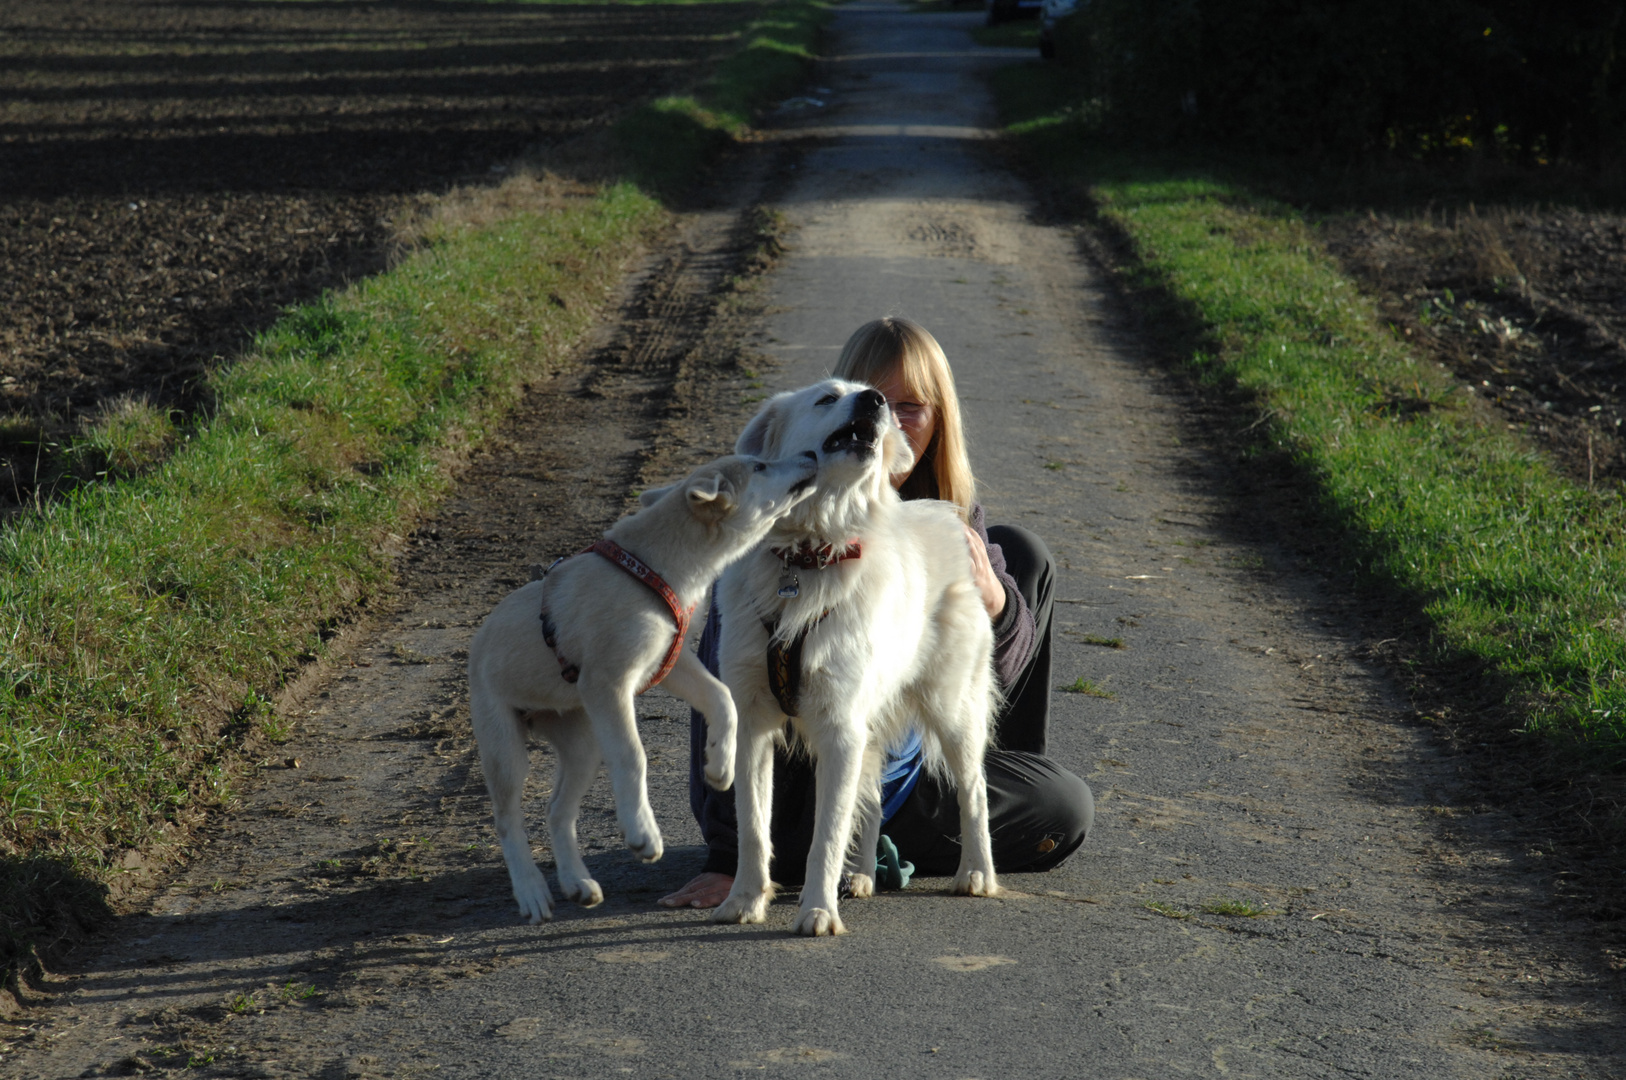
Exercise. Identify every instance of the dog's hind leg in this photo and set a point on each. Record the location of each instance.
(690, 681)
(505, 759)
(861, 858)
(571, 736)
(609, 706)
(964, 749)
(748, 900)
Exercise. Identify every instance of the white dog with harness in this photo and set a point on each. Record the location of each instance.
(612, 623)
(857, 620)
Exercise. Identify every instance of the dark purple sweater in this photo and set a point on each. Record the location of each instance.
(1015, 637)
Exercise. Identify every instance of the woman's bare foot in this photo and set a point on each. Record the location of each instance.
(704, 891)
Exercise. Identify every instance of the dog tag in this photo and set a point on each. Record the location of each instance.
(790, 586)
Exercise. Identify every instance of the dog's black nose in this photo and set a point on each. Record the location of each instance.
(869, 403)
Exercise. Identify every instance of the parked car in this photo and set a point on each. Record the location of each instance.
(1052, 12)
(1002, 11)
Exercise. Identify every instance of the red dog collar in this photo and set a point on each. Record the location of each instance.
(808, 557)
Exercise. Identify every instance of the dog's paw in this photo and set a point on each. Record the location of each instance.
(648, 847)
(719, 770)
(584, 892)
(817, 922)
(741, 909)
(860, 886)
(535, 905)
(975, 883)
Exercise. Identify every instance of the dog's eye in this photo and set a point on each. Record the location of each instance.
(828, 399)
(759, 466)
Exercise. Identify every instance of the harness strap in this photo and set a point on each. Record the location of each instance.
(785, 666)
(639, 569)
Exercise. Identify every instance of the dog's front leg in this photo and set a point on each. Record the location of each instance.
(690, 681)
(609, 706)
(748, 900)
(839, 769)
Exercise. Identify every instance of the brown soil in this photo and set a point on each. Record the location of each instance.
(173, 174)
(1527, 308)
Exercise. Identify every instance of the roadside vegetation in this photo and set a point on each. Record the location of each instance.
(1514, 563)
(150, 616)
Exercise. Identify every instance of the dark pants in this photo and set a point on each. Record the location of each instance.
(1038, 814)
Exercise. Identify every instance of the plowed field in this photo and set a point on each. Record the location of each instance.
(172, 174)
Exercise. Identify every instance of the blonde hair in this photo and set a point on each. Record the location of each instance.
(879, 348)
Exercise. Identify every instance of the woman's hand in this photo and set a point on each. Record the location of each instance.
(706, 890)
(993, 593)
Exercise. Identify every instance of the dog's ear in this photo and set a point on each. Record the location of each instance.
(654, 495)
(762, 432)
(711, 494)
(896, 452)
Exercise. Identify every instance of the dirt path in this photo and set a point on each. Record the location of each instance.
(1288, 878)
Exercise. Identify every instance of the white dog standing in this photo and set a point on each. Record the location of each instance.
(858, 619)
(611, 633)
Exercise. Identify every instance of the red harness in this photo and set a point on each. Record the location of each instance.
(635, 566)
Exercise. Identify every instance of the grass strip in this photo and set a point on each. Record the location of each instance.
(142, 618)
(668, 140)
(144, 622)
(1520, 573)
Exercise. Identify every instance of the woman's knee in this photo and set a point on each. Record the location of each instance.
(1027, 560)
(1041, 811)
(1068, 808)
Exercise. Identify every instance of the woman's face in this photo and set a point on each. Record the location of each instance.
(917, 418)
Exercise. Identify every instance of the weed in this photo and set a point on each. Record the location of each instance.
(1166, 910)
(1105, 642)
(239, 1004)
(1082, 685)
(1055, 466)
(1245, 909)
(295, 992)
(405, 654)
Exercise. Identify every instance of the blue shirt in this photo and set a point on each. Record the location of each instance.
(899, 773)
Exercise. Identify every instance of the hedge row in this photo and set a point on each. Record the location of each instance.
(1524, 79)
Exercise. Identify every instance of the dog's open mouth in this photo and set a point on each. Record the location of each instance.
(858, 436)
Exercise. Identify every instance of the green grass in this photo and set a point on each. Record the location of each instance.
(1084, 686)
(1519, 574)
(668, 140)
(1243, 909)
(142, 620)
(145, 621)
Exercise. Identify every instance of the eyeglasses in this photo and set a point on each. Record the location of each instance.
(906, 412)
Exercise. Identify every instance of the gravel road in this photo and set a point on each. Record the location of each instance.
(1288, 877)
